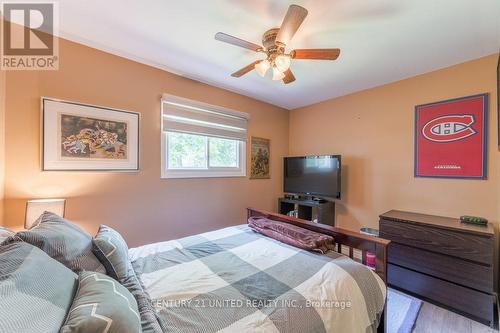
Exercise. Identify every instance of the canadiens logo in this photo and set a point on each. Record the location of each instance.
(449, 128)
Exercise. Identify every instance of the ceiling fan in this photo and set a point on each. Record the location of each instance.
(275, 41)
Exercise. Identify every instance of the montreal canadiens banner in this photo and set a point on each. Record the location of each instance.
(451, 138)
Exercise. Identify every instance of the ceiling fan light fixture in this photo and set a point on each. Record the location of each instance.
(274, 46)
(277, 74)
(262, 67)
(282, 62)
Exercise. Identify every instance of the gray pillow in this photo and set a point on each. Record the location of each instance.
(112, 250)
(5, 233)
(35, 290)
(102, 305)
(150, 321)
(63, 241)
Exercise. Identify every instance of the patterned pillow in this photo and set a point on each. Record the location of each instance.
(5, 233)
(112, 250)
(150, 321)
(63, 241)
(102, 305)
(35, 291)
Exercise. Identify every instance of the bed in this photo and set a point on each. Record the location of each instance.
(237, 280)
(229, 280)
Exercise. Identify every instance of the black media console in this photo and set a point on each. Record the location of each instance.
(308, 209)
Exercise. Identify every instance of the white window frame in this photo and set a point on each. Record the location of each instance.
(208, 172)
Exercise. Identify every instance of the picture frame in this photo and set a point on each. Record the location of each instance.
(260, 151)
(84, 137)
(451, 138)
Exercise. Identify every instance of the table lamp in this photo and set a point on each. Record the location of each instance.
(35, 208)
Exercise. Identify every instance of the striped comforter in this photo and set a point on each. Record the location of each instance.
(236, 280)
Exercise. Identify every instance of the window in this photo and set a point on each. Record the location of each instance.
(201, 140)
(191, 151)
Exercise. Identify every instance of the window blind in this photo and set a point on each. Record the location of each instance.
(188, 116)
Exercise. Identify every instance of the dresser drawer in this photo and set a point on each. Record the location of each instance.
(455, 270)
(461, 245)
(474, 303)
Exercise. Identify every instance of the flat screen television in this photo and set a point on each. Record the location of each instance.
(317, 176)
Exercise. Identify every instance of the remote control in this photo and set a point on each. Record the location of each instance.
(473, 220)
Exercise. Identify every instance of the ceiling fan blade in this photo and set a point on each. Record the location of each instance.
(291, 23)
(316, 54)
(245, 69)
(237, 41)
(289, 77)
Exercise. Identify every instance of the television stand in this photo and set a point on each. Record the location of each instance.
(320, 211)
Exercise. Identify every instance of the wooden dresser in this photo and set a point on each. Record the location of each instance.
(443, 261)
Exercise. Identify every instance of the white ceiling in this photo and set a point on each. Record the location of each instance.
(381, 40)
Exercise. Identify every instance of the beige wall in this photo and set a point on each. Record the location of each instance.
(2, 141)
(140, 205)
(373, 130)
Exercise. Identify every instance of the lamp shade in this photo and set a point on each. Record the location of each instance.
(262, 67)
(277, 75)
(35, 208)
(282, 62)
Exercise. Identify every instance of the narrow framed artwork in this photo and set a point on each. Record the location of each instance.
(451, 138)
(82, 137)
(260, 158)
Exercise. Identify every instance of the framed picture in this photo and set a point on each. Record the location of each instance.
(261, 154)
(81, 137)
(451, 138)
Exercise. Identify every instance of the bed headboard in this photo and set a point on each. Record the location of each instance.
(343, 237)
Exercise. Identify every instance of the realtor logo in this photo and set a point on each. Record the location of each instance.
(27, 38)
